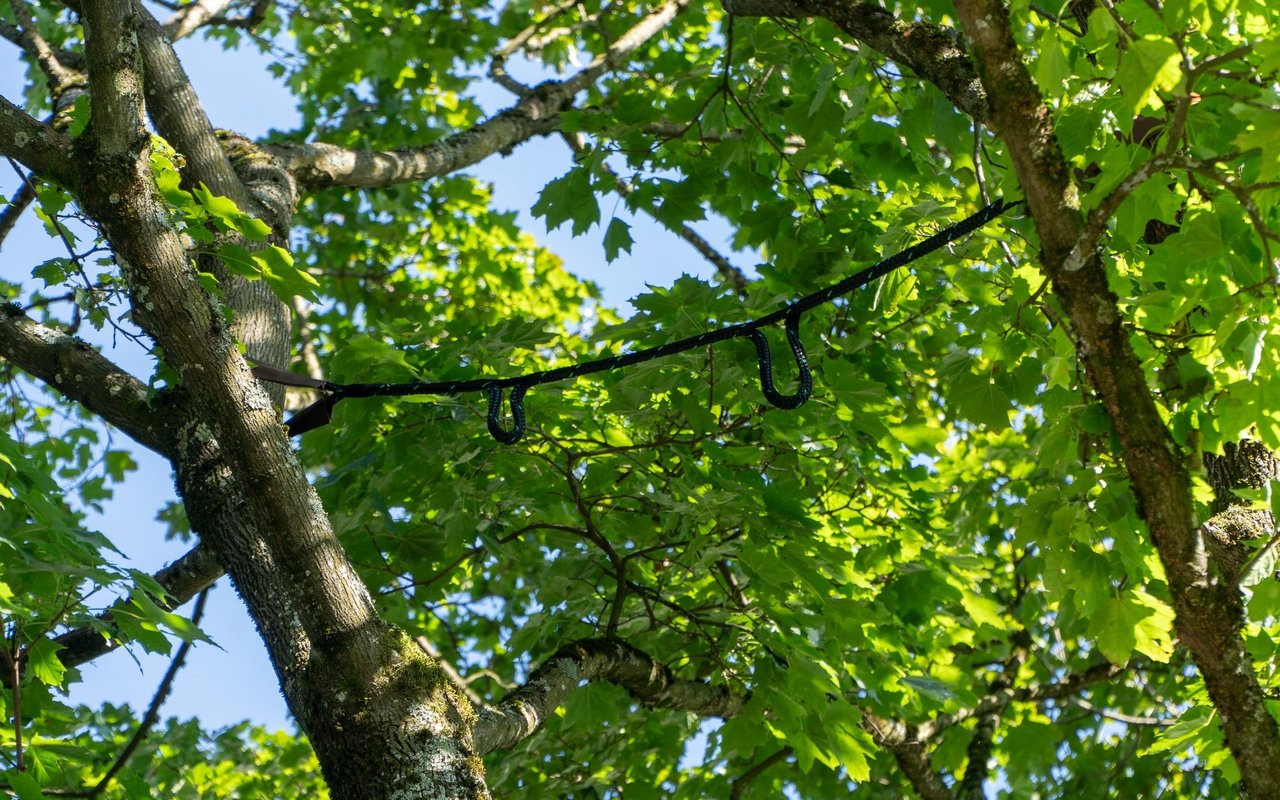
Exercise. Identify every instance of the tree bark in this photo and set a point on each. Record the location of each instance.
(382, 718)
(1209, 611)
(1246, 465)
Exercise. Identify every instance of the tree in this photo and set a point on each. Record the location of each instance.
(1019, 542)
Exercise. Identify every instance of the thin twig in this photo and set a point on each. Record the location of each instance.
(744, 781)
(727, 271)
(14, 660)
(60, 78)
(1124, 26)
(19, 203)
(1257, 557)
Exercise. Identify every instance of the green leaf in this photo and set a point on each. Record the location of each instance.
(52, 272)
(1149, 65)
(980, 399)
(364, 359)
(229, 216)
(1051, 67)
(275, 265)
(285, 279)
(592, 707)
(848, 747)
(842, 178)
(1132, 621)
(1262, 132)
(1154, 632)
(80, 112)
(1189, 728)
(23, 785)
(43, 662)
(240, 261)
(1183, 14)
(617, 238)
(568, 197)
(892, 290)
(930, 687)
(220, 208)
(983, 610)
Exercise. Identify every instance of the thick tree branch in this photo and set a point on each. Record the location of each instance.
(1209, 611)
(78, 371)
(911, 752)
(115, 130)
(246, 494)
(237, 420)
(60, 78)
(979, 751)
(18, 204)
(10, 33)
(523, 711)
(909, 743)
(321, 165)
(934, 52)
(179, 116)
(42, 149)
(262, 320)
(188, 19)
(520, 714)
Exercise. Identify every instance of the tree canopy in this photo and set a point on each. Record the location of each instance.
(1018, 543)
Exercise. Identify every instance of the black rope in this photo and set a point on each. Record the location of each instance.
(320, 412)
(787, 401)
(494, 391)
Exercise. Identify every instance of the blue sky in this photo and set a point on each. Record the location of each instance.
(234, 681)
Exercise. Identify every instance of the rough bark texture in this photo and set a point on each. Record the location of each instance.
(1209, 611)
(45, 151)
(978, 769)
(81, 373)
(911, 752)
(1246, 465)
(262, 319)
(383, 717)
(380, 714)
(523, 711)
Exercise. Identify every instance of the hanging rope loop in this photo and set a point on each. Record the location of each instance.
(494, 393)
(319, 412)
(805, 377)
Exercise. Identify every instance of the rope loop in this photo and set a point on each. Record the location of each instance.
(494, 393)
(805, 378)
